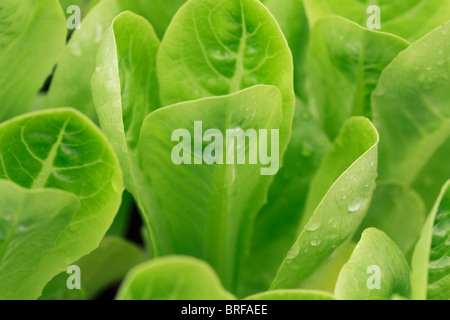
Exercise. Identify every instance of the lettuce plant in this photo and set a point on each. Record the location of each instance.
(87, 123)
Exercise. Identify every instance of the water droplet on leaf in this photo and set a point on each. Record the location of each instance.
(313, 226)
(355, 205)
(315, 242)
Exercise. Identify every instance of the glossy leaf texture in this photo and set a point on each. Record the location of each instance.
(30, 31)
(346, 60)
(125, 91)
(337, 202)
(431, 258)
(30, 223)
(412, 113)
(173, 278)
(100, 269)
(410, 19)
(61, 149)
(215, 48)
(207, 210)
(292, 295)
(71, 84)
(377, 270)
(277, 222)
(399, 212)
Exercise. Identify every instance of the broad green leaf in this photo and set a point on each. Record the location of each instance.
(32, 37)
(125, 91)
(62, 149)
(290, 15)
(124, 86)
(71, 84)
(398, 211)
(292, 295)
(431, 258)
(410, 19)
(210, 208)
(377, 270)
(30, 223)
(338, 198)
(277, 223)
(346, 60)
(411, 110)
(173, 278)
(104, 266)
(215, 48)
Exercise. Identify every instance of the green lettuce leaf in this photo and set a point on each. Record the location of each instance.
(375, 252)
(32, 38)
(30, 223)
(410, 107)
(207, 210)
(61, 149)
(216, 48)
(276, 225)
(346, 60)
(431, 258)
(125, 91)
(173, 278)
(104, 266)
(337, 202)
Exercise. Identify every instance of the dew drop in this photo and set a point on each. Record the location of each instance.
(444, 32)
(315, 242)
(441, 52)
(355, 205)
(292, 254)
(313, 226)
(429, 68)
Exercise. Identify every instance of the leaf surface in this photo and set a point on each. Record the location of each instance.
(32, 38)
(207, 210)
(431, 258)
(337, 202)
(173, 278)
(375, 255)
(61, 149)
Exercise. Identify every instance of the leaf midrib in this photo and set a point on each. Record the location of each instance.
(47, 164)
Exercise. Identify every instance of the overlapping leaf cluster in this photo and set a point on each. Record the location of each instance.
(364, 120)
